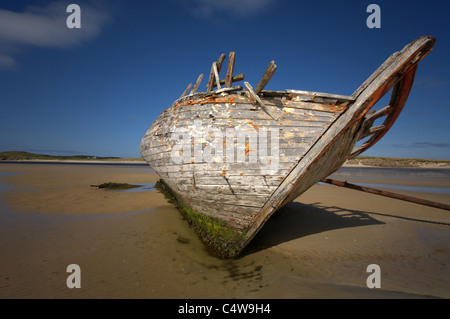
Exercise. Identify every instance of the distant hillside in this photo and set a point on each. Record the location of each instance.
(20, 156)
(360, 161)
(397, 162)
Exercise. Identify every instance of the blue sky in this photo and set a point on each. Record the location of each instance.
(96, 90)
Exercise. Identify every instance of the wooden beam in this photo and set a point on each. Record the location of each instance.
(371, 131)
(209, 86)
(312, 95)
(266, 77)
(197, 83)
(374, 75)
(187, 90)
(216, 74)
(399, 96)
(236, 78)
(220, 62)
(231, 89)
(380, 113)
(253, 96)
(386, 194)
(230, 69)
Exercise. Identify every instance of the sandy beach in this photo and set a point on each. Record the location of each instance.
(134, 244)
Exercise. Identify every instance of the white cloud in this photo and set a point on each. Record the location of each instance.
(45, 26)
(220, 9)
(7, 62)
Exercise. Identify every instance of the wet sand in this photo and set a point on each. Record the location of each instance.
(136, 245)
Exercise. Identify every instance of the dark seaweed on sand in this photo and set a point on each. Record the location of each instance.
(116, 186)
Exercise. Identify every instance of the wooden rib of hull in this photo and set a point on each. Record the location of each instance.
(227, 200)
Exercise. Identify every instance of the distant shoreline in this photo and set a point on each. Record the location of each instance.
(39, 161)
(437, 165)
(360, 161)
(26, 157)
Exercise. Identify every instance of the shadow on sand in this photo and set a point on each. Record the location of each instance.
(298, 220)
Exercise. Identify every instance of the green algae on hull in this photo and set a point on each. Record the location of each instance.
(222, 239)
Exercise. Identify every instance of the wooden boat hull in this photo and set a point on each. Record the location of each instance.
(230, 159)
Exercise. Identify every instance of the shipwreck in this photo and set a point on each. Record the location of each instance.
(233, 155)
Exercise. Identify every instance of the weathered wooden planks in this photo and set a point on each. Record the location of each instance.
(214, 113)
(296, 130)
(241, 186)
(235, 183)
(230, 199)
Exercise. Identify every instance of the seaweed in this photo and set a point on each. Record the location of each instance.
(114, 186)
(222, 239)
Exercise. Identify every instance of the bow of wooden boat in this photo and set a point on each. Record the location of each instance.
(337, 144)
(228, 202)
(396, 73)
